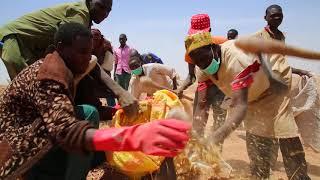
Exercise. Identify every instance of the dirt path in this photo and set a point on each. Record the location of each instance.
(235, 153)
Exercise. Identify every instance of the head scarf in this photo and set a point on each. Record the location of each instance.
(198, 40)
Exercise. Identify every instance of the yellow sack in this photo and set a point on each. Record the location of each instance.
(137, 164)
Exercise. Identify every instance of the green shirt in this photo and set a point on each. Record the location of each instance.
(37, 29)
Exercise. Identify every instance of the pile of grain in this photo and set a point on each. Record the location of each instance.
(201, 161)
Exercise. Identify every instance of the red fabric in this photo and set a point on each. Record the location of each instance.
(117, 106)
(160, 138)
(245, 78)
(199, 23)
(204, 85)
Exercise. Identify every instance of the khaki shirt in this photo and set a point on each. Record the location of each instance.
(158, 73)
(268, 115)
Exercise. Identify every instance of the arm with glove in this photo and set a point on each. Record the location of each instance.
(161, 138)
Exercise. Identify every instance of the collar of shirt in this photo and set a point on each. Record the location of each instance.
(267, 28)
(125, 47)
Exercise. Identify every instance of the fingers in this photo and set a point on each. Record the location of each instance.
(169, 144)
(176, 124)
(166, 147)
(131, 110)
(173, 134)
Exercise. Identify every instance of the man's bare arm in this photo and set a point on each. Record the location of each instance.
(126, 100)
(201, 112)
(239, 108)
(276, 82)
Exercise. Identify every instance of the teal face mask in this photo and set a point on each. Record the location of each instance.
(213, 67)
(137, 71)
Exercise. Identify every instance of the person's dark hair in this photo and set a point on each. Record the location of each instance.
(135, 56)
(273, 6)
(123, 35)
(134, 53)
(206, 48)
(50, 49)
(233, 30)
(69, 31)
(135, 59)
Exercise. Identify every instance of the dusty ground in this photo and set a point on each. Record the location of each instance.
(234, 152)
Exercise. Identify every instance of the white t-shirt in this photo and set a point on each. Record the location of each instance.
(158, 73)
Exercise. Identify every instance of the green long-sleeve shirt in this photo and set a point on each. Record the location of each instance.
(37, 29)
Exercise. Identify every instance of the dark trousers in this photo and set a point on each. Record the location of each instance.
(261, 151)
(123, 79)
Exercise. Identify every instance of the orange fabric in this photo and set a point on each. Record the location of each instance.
(219, 39)
(215, 40)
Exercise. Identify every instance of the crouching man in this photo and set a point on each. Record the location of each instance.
(37, 115)
(259, 99)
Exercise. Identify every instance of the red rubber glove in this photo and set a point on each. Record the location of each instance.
(160, 138)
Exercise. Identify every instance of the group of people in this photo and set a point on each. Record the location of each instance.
(60, 69)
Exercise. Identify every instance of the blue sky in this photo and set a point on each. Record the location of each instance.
(160, 26)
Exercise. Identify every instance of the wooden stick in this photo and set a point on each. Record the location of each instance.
(259, 45)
